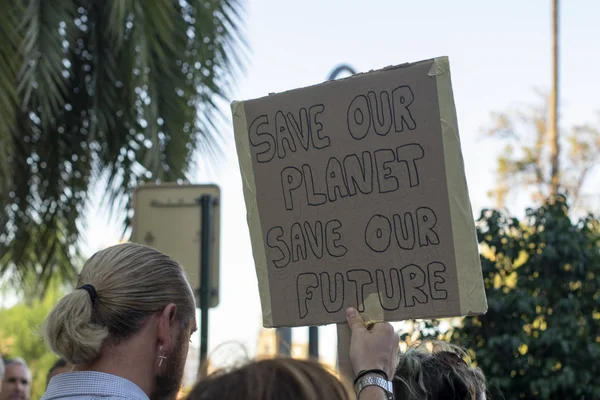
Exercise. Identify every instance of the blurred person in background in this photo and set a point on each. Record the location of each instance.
(437, 371)
(374, 357)
(284, 378)
(58, 367)
(16, 384)
(125, 329)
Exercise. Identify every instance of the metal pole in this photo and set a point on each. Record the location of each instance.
(206, 203)
(339, 69)
(554, 133)
(284, 341)
(313, 342)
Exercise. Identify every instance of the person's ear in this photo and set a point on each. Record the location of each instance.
(167, 335)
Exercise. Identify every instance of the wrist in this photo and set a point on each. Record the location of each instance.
(372, 393)
(376, 372)
(384, 371)
(375, 383)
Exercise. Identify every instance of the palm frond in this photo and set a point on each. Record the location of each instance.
(111, 92)
(9, 69)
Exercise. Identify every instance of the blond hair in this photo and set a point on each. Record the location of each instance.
(437, 370)
(131, 282)
(282, 378)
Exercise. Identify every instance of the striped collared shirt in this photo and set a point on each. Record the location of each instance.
(89, 385)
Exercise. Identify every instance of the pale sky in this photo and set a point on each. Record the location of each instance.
(499, 51)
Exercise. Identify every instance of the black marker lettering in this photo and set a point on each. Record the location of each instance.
(405, 232)
(301, 131)
(315, 238)
(426, 220)
(413, 279)
(360, 278)
(283, 135)
(381, 112)
(306, 285)
(333, 300)
(333, 237)
(390, 294)
(378, 233)
(359, 117)
(387, 182)
(313, 197)
(298, 243)
(291, 179)
(359, 176)
(408, 156)
(435, 272)
(335, 180)
(274, 241)
(320, 142)
(402, 98)
(262, 139)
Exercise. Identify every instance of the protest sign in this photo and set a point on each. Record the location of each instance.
(356, 196)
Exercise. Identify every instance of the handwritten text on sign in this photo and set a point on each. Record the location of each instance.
(352, 197)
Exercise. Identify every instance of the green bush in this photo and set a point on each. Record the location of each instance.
(540, 338)
(20, 336)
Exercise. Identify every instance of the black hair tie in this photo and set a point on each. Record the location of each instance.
(91, 291)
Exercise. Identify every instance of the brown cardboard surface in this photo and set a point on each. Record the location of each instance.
(245, 159)
(470, 281)
(356, 196)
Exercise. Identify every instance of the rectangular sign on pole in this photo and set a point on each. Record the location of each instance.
(356, 196)
(167, 217)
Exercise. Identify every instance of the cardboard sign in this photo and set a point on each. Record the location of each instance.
(356, 196)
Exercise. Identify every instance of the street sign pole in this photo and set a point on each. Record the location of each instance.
(284, 341)
(313, 342)
(206, 204)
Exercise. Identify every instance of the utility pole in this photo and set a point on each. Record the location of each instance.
(554, 134)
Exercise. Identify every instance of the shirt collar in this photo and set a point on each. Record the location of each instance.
(92, 384)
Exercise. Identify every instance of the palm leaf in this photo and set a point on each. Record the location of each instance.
(108, 93)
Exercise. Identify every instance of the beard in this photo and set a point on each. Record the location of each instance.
(168, 382)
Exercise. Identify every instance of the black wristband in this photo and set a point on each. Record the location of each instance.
(370, 371)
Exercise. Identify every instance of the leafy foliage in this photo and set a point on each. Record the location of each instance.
(525, 160)
(20, 336)
(109, 92)
(540, 338)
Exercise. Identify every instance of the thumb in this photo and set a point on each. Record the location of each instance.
(355, 321)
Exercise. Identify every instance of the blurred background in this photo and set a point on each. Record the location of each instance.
(99, 96)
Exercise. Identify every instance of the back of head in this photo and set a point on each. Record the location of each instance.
(437, 371)
(57, 367)
(125, 284)
(273, 379)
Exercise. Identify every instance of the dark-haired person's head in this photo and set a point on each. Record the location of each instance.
(283, 378)
(438, 371)
(58, 367)
(127, 324)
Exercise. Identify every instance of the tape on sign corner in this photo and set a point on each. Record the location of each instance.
(373, 312)
(473, 300)
(441, 65)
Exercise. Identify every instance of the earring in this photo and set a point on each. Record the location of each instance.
(161, 357)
